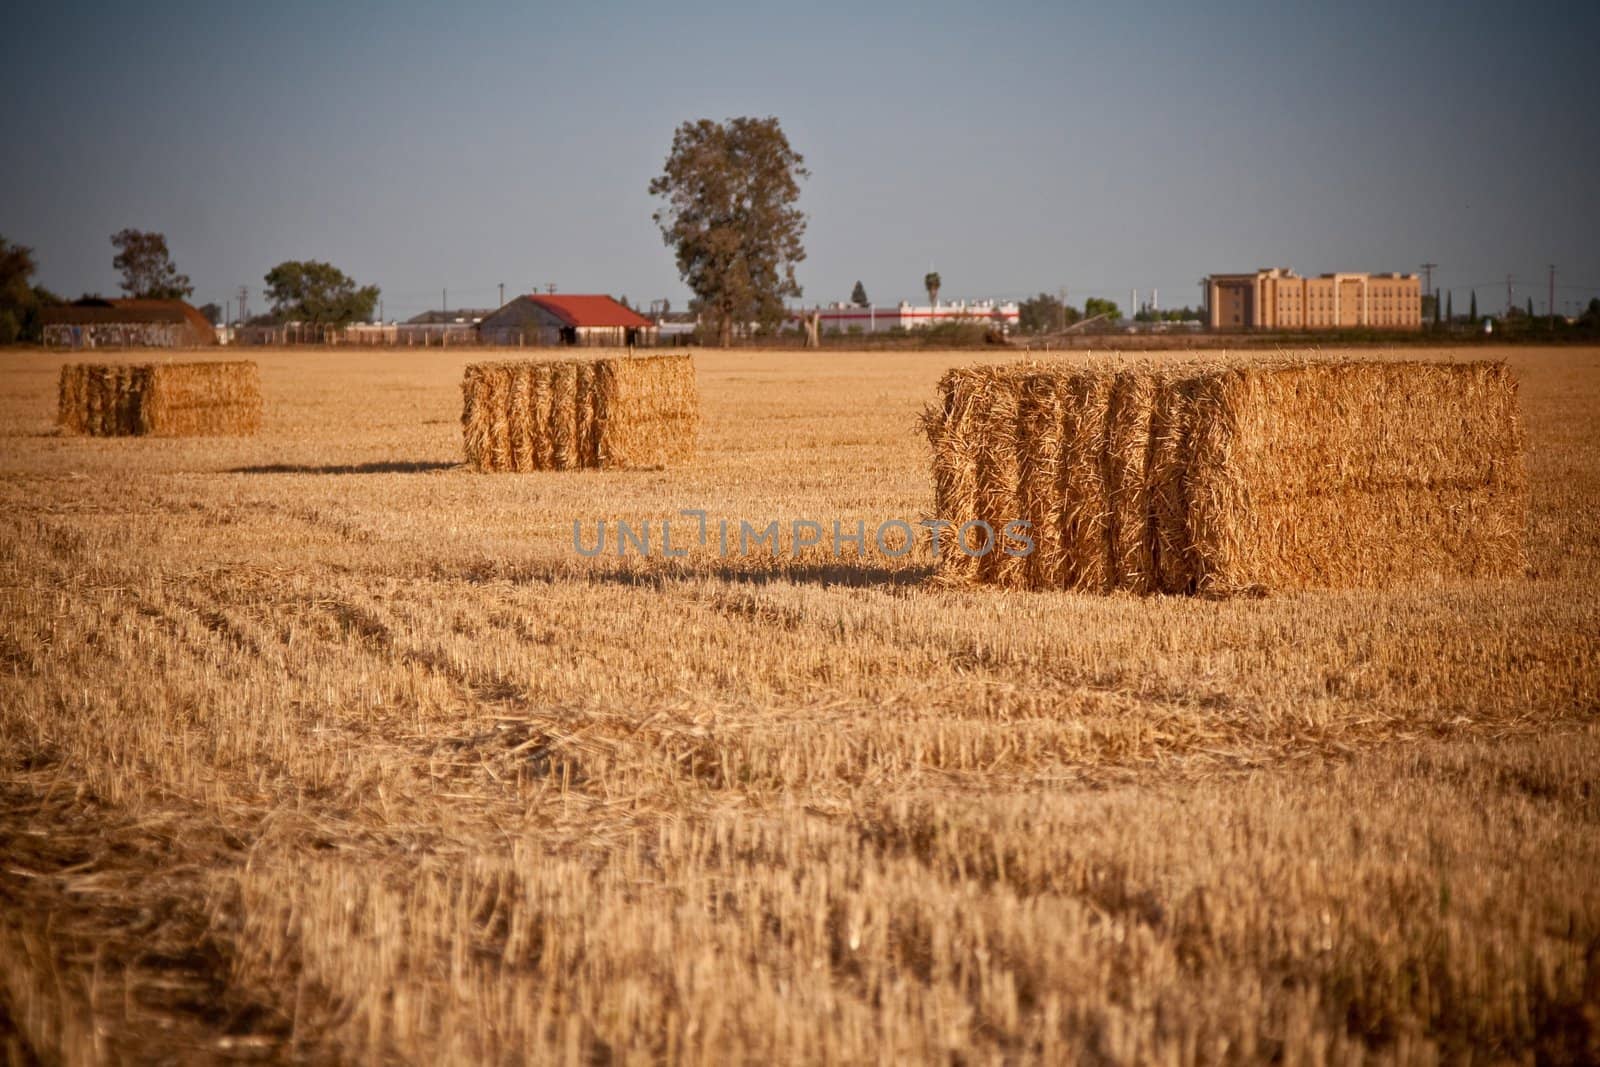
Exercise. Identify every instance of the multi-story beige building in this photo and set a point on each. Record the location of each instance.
(1277, 298)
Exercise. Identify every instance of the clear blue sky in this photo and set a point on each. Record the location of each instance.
(1015, 148)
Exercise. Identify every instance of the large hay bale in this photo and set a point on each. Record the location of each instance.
(633, 412)
(160, 399)
(1230, 479)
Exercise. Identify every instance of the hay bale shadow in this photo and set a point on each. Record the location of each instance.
(381, 467)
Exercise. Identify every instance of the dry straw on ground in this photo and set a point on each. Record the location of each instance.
(1227, 479)
(160, 399)
(613, 413)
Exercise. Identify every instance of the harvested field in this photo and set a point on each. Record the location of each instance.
(613, 413)
(1229, 478)
(208, 399)
(318, 746)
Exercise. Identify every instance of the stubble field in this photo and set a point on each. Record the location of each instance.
(317, 746)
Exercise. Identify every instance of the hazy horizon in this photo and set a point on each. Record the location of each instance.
(423, 149)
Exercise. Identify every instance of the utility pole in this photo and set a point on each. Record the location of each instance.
(444, 301)
(1551, 306)
(1427, 275)
(243, 292)
(502, 294)
(1510, 298)
(550, 287)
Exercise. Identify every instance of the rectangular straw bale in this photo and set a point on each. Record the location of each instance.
(559, 415)
(1237, 478)
(160, 399)
(648, 411)
(201, 400)
(1309, 475)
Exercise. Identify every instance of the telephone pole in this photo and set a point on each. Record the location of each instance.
(502, 294)
(243, 292)
(1510, 296)
(1551, 307)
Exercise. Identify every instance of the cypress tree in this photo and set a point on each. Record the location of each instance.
(1472, 312)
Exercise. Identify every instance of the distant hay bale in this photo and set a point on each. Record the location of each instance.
(615, 413)
(1224, 480)
(160, 399)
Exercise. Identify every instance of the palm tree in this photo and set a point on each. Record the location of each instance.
(930, 282)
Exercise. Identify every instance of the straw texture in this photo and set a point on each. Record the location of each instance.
(160, 399)
(1234, 479)
(616, 413)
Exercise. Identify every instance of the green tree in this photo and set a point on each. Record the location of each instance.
(212, 312)
(931, 282)
(1095, 306)
(729, 192)
(147, 268)
(1044, 313)
(858, 296)
(320, 293)
(20, 299)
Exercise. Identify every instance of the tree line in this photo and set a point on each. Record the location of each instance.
(297, 290)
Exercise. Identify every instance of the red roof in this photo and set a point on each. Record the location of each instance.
(575, 310)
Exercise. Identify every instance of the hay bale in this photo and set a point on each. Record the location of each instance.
(606, 413)
(160, 399)
(1234, 479)
(648, 411)
(1346, 474)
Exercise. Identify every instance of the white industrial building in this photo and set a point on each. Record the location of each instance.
(848, 318)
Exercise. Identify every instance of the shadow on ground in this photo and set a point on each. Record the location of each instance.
(861, 576)
(385, 467)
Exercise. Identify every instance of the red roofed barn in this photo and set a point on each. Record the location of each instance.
(566, 318)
